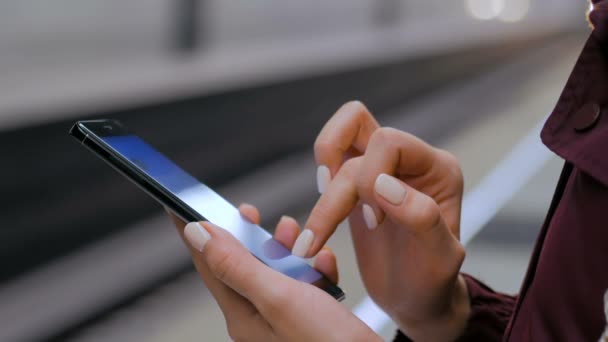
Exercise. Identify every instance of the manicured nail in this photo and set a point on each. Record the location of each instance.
(323, 178)
(285, 219)
(389, 188)
(196, 235)
(289, 219)
(303, 243)
(369, 217)
(327, 249)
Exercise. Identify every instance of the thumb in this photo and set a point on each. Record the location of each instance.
(235, 266)
(407, 206)
(421, 216)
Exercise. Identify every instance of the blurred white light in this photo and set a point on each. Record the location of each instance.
(485, 9)
(590, 6)
(514, 10)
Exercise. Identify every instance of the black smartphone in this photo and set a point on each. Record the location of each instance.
(188, 198)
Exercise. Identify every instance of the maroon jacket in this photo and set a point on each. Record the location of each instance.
(562, 296)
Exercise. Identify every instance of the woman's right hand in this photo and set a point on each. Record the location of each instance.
(403, 199)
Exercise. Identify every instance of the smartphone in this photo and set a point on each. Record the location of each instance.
(188, 198)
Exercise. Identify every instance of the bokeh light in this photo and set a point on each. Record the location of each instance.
(485, 9)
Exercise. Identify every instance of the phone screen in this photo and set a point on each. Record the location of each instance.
(210, 205)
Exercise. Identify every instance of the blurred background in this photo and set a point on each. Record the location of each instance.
(235, 92)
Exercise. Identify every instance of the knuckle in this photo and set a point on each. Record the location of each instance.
(277, 304)
(323, 146)
(385, 136)
(356, 108)
(320, 217)
(365, 185)
(220, 262)
(431, 216)
(452, 165)
(427, 214)
(350, 167)
(451, 266)
(448, 157)
(353, 111)
(460, 254)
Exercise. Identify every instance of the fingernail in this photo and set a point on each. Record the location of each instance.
(196, 235)
(303, 243)
(284, 219)
(390, 189)
(369, 217)
(323, 178)
(287, 218)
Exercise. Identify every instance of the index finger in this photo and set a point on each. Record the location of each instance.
(348, 129)
(333, 207)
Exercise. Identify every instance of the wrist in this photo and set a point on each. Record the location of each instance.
(448, 325)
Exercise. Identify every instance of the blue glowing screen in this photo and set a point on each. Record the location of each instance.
(211, 206)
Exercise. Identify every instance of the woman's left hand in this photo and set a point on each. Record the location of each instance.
(260, 304)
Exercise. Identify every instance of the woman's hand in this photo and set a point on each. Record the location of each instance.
(260, 304)
(403, 199)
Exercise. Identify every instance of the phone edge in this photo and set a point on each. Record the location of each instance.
(135, 177)
(95, 146)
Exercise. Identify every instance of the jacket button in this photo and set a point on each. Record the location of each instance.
(586, 117)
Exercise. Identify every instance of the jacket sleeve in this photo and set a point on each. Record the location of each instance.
(490, 313)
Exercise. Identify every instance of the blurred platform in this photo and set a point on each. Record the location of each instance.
(59, 64)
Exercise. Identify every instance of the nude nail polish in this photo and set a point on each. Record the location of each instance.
(303, 243)
(390, 188)
(323, 178)
(196, 235)
(369, 217)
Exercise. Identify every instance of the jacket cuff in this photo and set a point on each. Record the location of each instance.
(490, 313)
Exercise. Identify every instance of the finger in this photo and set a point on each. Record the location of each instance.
(392, 152)
(236, 267)
(326, 263)
(406, 206)
(250, 212)
(287, 231)
(233, 306)
(420, 215)
(346, 134)
(333, 207)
